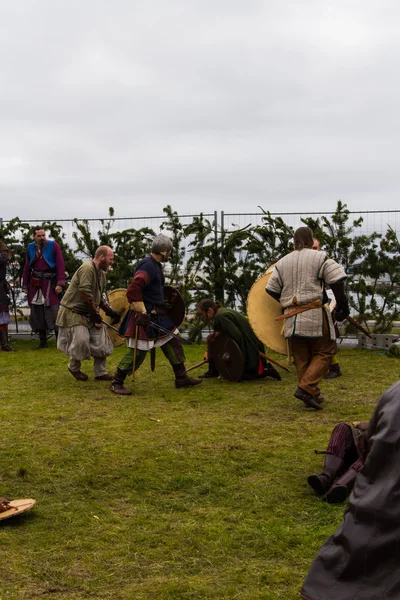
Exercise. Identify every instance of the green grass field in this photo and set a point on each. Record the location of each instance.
(167, 494)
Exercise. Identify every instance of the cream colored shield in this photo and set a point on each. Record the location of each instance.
(17, 507)
(118, 301)
(262, 310)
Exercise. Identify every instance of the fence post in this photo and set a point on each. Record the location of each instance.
(222, 257)
(218, 283)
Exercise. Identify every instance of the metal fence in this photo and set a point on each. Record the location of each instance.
(373, 221)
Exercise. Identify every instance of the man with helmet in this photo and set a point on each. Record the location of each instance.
(146, 296)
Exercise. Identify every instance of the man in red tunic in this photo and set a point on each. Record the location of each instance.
(146, 297)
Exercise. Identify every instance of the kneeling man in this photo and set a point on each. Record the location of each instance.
(237, 327)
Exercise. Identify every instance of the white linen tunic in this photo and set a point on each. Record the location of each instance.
(300, 278)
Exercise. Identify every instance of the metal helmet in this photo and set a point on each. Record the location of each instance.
(162, 245)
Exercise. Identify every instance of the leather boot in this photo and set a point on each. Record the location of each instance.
(5, 346)
(322, 482)
(42, 339)
(182, 380)
(270, 371)
(308, 400)
(79, 376)
(341, 488)
(333, 372)
(117, 385)
(212, 371)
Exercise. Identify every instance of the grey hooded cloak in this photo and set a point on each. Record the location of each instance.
(361, 560)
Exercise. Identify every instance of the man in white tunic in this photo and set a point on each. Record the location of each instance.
(298, 282)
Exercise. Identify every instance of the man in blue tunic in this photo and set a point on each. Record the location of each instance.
(43, 280)
(146, 296)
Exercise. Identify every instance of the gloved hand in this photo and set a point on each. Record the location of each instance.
(144, 320)
(115, 316)
(162, 309)
(341, 311)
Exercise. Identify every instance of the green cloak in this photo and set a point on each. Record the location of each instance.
(237, 327)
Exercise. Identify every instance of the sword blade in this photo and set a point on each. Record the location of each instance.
(156, 326)
(167, 331)
(112, 327)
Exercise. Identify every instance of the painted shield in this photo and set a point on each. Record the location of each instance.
(262, 310)
(175, 304)
(118, 301)
(227, 357)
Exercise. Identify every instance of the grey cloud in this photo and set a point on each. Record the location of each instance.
(224, 105)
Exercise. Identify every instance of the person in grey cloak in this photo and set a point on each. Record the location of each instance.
(360, 561)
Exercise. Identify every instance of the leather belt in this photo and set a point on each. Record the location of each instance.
(299, 309)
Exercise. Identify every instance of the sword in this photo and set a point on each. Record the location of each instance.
(200, 364)
(164, 330)
(358, 326)
(156, 326)
(14, 306)
(134, 352)
(153, 359)
(274, 362)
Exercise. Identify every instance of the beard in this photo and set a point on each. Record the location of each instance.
(104, 266)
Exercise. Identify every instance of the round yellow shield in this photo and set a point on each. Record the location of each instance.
(118, 301)
(262, 310)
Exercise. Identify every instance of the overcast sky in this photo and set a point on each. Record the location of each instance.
(201, 104)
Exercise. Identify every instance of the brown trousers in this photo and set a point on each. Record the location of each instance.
(312, 357)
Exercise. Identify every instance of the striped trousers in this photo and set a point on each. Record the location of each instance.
(341, 444)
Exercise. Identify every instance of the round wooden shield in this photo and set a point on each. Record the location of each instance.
(17, 507)
(227, 356)
(118, 301)
(261, 312)
(174, 299)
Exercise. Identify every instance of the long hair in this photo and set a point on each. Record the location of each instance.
(207, 303)
(303, 238)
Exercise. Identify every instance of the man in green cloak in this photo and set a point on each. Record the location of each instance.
(237, 327)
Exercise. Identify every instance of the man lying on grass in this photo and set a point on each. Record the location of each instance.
(345, 455)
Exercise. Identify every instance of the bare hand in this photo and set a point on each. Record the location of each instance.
(58, 289)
